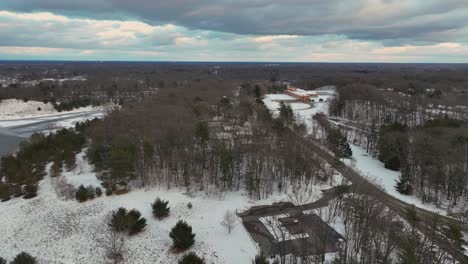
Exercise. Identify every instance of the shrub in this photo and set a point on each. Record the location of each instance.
(129, 222)
(182, 236)
(160, 208)
(91, 192)
(108, 192)
(17, 191)
(191, 258)
(24, 258)
(81, 194)
(260, 259)
(98, 192)
(5, 192)
(136, 222)
(189, 205)
(30, 190)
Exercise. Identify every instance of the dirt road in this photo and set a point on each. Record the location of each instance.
(361, 185)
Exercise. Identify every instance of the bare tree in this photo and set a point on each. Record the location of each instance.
(229, 220)
(111, 241)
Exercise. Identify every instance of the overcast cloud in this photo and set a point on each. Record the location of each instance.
(268, 30)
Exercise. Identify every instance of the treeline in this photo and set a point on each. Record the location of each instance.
(21, 172)
(432, 158)
(73, 104)
(367, 104)
(201, 138)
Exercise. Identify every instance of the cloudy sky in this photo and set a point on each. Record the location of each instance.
(236, 30)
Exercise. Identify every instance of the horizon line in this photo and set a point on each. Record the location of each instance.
(201, 61)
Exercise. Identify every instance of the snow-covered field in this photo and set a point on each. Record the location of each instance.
(13, 109)
(64, 231)
(60, 231)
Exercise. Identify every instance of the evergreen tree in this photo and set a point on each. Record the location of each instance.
(136, 222)
(160, 208)
(455, 234)
(408, 252)
(30, 190)
(191, 258)
(81, 194)
(24, 258)
(98, 192)
(119, 220)
(56, 168)
(129, 222)
(338, 143)
(260, 259)
(3, 261)
(257, 92)
(121, 161)
(91, 192)
(69, 158)
(182, 236)
(413, 218)
(202, 132)
(403, 185)
(286, 114)
(4, 192)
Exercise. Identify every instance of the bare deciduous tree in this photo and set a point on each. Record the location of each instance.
(111, 241)
(229, 221)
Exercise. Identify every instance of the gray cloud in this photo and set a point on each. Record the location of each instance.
(401, 21)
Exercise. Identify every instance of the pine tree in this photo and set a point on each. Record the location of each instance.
(129, 222)
(30, 190)
(455, 234)
(69, 158)
(182, 236)
(338, 143)
(136, 222)
(24, 258)
(81, 194)
(260, 259)
(56, 168)
(3, 261)
(403, 184)
(5, 192)
(408, 252)
(202, 132)
(286, 114)
(98, 192)
(344, 150)
(160, 208)
(257, 92)
(91, 192)
(118, 220)
(191, 258)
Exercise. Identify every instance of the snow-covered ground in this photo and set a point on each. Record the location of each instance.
(13, 109)
(376, 172)
(59, 231)
(64, 231)
(83, 174)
